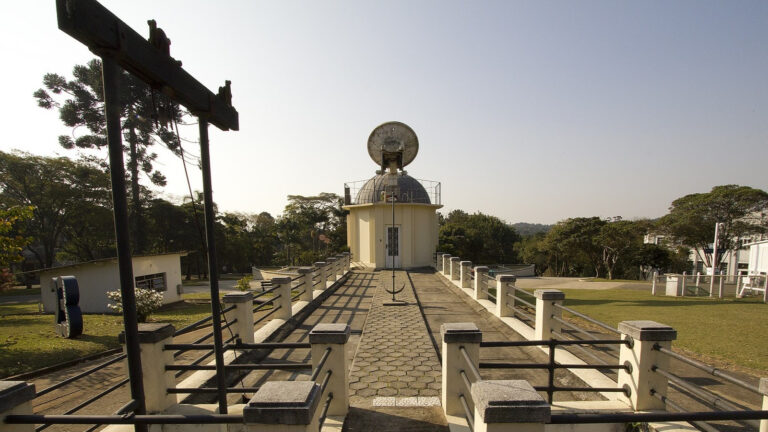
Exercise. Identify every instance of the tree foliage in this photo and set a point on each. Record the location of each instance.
(80, 102)
(478, 237)
(691, 219)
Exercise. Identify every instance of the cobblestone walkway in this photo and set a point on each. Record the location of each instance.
(396, 363)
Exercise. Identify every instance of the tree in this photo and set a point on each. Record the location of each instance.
(692, 218)
(312, 227)
(12, 240)
(532, 250)
(572, 242)
(617, 239)
(479, 238)
(70, 201)
(82, 108)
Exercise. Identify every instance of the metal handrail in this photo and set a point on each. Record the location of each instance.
(586, 318)
(264, 304)
(80, 375)
(470, 364)
(266, 315)
(582, 349)
(324, 412)
(263, 293)
(250, 366)
(297, 295)
(708, 369)
(194, 390)
(715, 400)
(88, 402)
(519, 300)
(320, 364)
(469, 415)
(240, 346)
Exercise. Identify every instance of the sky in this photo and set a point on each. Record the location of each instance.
(532, 111)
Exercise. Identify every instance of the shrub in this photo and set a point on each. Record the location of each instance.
(147, 301)
(244, 284)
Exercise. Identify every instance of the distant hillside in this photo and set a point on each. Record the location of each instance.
(526, 229)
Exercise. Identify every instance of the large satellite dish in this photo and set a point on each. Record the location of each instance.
(393, 145)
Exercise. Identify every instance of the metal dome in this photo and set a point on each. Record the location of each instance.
(410, 190)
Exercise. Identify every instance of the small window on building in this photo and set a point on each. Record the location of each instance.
(153, 281)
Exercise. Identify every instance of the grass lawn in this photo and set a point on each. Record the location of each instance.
(727, 332)
(20, 291)
(28, 341)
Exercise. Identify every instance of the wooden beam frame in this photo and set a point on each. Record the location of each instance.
(106, 35)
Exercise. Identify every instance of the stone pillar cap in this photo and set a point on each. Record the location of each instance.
(151, 332)
(281, 280)
(330, 333)
(319, 263)
(482, 269)
(466, 263)
(446, 255)
(330, 259)
(283, 402)
(240, 297)
(15, 393)
(509, 401)
(453, 258)
(461, 332)
(507, 278)
(647, 331)
(549, 294)
(305, 270)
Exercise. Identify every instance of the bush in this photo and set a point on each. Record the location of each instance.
(147, 301)
(244, 284)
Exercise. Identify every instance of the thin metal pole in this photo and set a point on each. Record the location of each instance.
(392, 240)
(213, 269)
(111, 79)
(714, 260)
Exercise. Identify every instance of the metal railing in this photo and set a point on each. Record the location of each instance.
(552, 365)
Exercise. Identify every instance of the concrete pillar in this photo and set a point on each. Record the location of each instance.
(439, 261)
(641, 357)
(505, 304)
(339, 266)
(509, 406)
(154, 358)
(764, 390)
(685, 282)
(243, 313)
(284, 302)
(16, 399)
(285, 406)
(546, 299)
(720, 287)
(446, 270)
(455, 336)
(306, 278)
(335, 337)
(481, 283)
(347, 261)
(320, 275)
(465, 274)
(455, 270)
(653, 282)
(330, 271)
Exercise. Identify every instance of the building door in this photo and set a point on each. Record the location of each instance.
(393, 247)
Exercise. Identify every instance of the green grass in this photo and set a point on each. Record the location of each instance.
(19, 292)
(728, 332)
(28, 340)
(616, 280)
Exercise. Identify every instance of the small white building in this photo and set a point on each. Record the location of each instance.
(758, 258)
(159, 272)
(392, 220)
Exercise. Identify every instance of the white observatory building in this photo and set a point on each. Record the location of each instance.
(392, 220)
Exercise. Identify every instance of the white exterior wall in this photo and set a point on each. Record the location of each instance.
(366, 233)
(96, 278)
(758, 258)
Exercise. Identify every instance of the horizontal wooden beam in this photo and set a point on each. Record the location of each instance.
(106, 35)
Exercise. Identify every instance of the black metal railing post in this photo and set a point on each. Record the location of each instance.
(111, 79)
(213, 269)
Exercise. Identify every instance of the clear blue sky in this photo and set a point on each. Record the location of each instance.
(530, 111)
